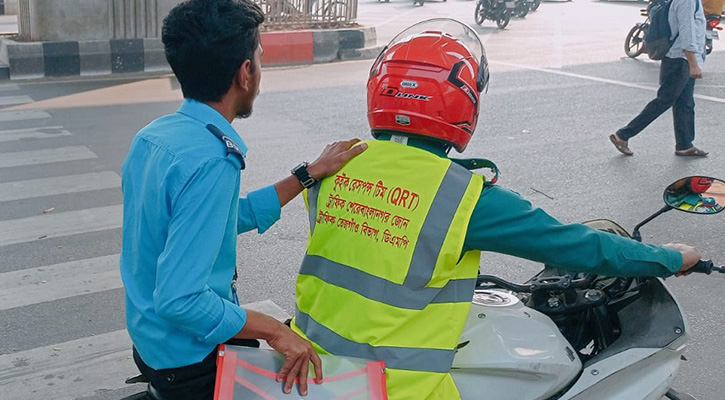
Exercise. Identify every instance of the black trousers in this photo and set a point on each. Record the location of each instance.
(191, 382)
(676, 91)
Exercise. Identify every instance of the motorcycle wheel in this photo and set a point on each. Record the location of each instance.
(535, 5)
(504, 19)
(522, 9)
(708, 46)
(634, 43)
(479, 15)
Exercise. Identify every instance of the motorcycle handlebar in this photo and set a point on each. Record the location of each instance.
(557, 283)
(543, 284)
(707, 267)
(514, 287)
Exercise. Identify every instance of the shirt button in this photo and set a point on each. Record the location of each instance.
(170, 378)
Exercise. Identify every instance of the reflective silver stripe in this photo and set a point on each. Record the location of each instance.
(312, 194)
(384, 291)
(408, 358)
(456, 291)
(436, 225)
(412, 294)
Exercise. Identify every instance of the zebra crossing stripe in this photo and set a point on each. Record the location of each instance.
(49, 283)
(60, 224)
(70, 370)
(9, 86)
(14, 100)
(44, 156)
(82, 367)
(33, 133)
(59, 185)
(7, 116)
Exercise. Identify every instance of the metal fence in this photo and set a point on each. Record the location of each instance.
(280, 14)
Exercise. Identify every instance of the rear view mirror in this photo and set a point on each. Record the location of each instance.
(696, 194)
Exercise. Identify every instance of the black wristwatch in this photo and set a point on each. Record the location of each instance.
(301, 173)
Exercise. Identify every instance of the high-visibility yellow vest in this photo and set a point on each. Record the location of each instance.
(384, 277)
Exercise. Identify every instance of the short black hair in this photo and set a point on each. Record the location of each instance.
(206, 41)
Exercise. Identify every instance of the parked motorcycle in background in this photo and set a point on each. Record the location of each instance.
(498, 11)
(713, 20)
(634, 42)
(522, 8)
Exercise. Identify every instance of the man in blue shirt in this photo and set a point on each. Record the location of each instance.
(182, 210)
(678, 71)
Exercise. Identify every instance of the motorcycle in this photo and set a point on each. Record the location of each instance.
(711, 28)
(522, 8)
(634, 42)
(494, 10)
(575, 336)
(564, 335)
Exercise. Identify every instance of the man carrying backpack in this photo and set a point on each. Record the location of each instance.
(679, 68)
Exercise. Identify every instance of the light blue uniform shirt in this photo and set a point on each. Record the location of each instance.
(687, 20)
(181, 217)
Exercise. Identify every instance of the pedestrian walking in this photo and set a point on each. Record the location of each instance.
(678, 71)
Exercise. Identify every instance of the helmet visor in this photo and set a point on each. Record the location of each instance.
(456, 29)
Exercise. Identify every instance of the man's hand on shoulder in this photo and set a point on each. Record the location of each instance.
(334, 157)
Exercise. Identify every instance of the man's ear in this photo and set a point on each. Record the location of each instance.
(244, 74)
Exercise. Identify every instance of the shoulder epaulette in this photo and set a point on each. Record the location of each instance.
(232, 147)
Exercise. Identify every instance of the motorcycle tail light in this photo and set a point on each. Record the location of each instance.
(714, 23)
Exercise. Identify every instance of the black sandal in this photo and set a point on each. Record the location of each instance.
(620, 144)
(691, 152)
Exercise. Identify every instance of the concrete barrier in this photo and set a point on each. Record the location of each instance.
(32, 60)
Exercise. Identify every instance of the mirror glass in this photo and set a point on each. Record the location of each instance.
(696, 194)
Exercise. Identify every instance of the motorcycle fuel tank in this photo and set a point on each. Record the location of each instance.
(510, 352)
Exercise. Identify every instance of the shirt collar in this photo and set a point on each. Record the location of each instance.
(436, 148)
(207, 115)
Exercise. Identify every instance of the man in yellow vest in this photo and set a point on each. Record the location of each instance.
(395, 236)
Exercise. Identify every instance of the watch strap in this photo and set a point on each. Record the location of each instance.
(303, 175)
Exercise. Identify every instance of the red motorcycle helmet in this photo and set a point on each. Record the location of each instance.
(700, 184)
(427, 83)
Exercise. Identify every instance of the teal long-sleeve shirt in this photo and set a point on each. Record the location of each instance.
(181, 216)
(504, 222)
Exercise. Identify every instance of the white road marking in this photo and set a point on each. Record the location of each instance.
(60, 224)
(82, 367)
(6, 116)
(14, 100)
(59, 185)
(44, 156)
(9, 86)
(33, 133)
(60, 281)
(602, 80)
(69, 370)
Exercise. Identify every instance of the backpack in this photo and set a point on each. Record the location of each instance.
(657, 38)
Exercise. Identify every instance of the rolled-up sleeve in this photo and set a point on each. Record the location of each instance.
(196, 232)
(260, 209)
(503, 222)
(684, 16)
